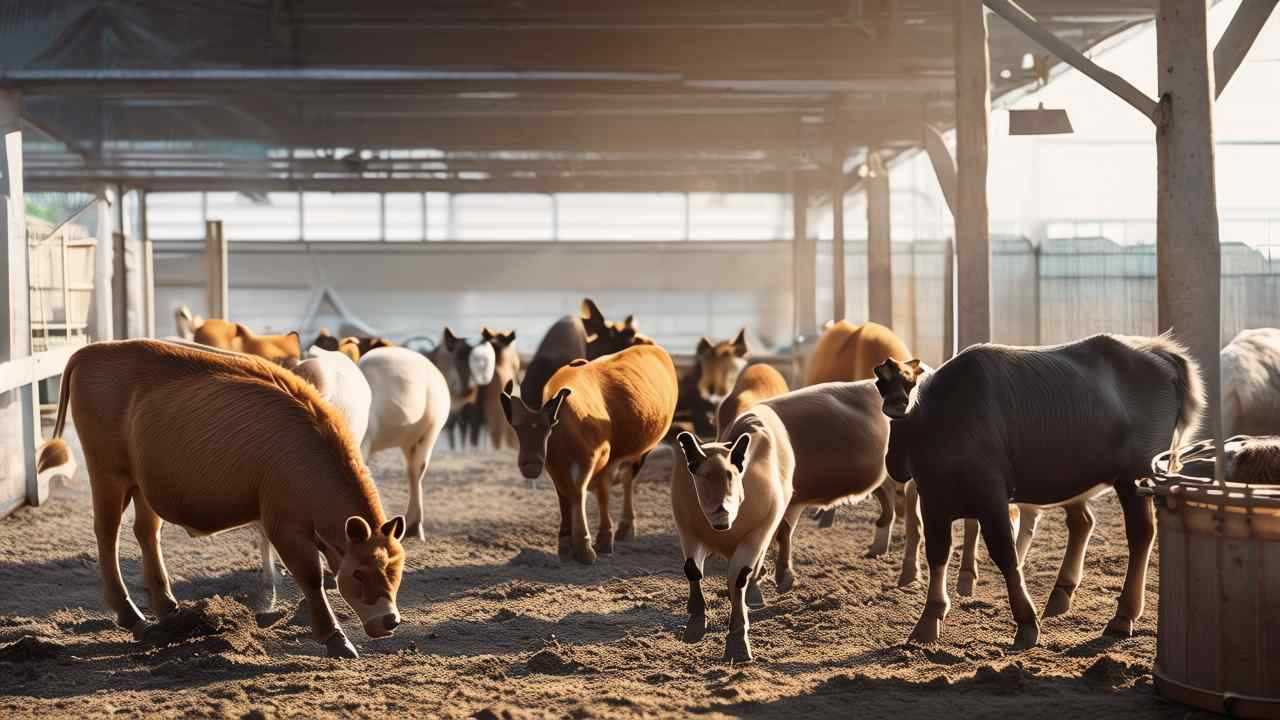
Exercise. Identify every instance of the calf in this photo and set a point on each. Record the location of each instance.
(570, 338)
(211, 442)
(409, 407)
(1251, 383)
(820, 446)
(709, 381)
(283, 350)
(506, 370)
(756, 384)
(1037, 426)
(597, 418)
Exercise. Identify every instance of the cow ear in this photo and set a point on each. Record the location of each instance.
(914, 364)
(630, 322)
(828, 325)
(449, 339)
(486, 334)
(883, 371)
(552, 408)
(509, 338)
(358, 530)
(592, 318)
(738, 453)
(693, 455)
(505, 399)
(704, 347)
(394, 527)
(740, 343)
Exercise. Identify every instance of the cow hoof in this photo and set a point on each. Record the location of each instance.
(626, 531)
(696, 629)
(1059, 603)
(785, 581)
(340, 647)
(926, 631)
(755, 598)
(908, 577)
(584, 554)
(1119, 627)
(827, 518)
(876, 551)
(737, 649)
(1028, 636)
(141, 629)
(604, 543)
(965, 583)
(264, 601)
(415, 530)
(566, 548)
(330, 582)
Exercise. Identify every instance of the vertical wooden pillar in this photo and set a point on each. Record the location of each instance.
(973, 108)
(1188, 261)
(148, 270)
(102, 320)
(215, 253)
(120, 296)
(879, 244)
(803, 260)
(838, 151)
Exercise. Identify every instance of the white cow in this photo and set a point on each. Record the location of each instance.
(1251, 383)
(341, 383)
(409, 409)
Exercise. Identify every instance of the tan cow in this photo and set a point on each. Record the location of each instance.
(212, 442)
(283, 350)
(754, 385)
(598, 419)
(506, 369)
(708, 382)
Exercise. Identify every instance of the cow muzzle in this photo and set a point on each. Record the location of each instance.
(531, 470)
(383, 625)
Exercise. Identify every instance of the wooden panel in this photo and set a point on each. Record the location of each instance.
(1240, 628)
(1268, 583)
(1172, 648)
(1203, 611)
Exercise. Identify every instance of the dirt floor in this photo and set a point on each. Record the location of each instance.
(495, 626)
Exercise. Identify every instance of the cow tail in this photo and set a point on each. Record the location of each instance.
(55, 453)
(1188, 385)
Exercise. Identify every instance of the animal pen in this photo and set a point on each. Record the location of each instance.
(392, 167)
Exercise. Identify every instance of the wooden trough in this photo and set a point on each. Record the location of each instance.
(1218, 644)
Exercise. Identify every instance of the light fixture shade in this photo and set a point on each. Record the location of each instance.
(1039, 122)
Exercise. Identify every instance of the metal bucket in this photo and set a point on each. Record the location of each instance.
(1218, 644)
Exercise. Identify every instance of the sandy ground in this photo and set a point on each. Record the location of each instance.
(495, 626)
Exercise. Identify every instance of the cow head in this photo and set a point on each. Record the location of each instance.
(325, 341)
(497, 338)
(719, 365)
(533, 427)
(464, 365)
(716, 469)
(895, 380)
(604, 338)
(368, 564)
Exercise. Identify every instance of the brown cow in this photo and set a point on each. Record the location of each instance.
(506, 369)
(598, 418)
(283, 350)
(708, 382)
(756, 384)
(212, 442)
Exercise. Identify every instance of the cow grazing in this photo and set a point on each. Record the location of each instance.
(1038, 426)
(587, 336)
(506, 369)
(756, 384)
(409, 408)
(283, 350)
(817, 446)
(709, 381)
(596, 419)
(1251, 383)
(846, 352)
(211, 442)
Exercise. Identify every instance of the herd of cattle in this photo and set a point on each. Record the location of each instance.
(220, 428)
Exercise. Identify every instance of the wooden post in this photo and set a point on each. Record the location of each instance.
(1238, 38)
(1188, 261)
(148, 270)
(803, 259)
(216, 265)
(973, 241)
(948, 299)
(879, 244)
(838, 151)
(119, 269)
(103, 319)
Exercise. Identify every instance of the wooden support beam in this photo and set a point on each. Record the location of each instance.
(1188, 258)
(215, 256)
(119, 268)
(1237, 39)
(102, 319)
(972, 236)
(944, 165)
(148, 269)
(1021, 19)
(838, 308)
(879, 244)
(803, 260)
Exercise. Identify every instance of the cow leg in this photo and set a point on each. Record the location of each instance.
(1140, 530)
(146, 528)
(109, 503)
(937, 550)
(604, 535)
(418, 458)
(911, 544)
(627, 528)
(784, 579)
(1030, 518)
(884, 523)
(997, 533)
(1079, 528)
(825, 518)
(695, 556)
(737, 647)
(581, 539)
(298, 553)
(968, 576)
(267, 590)
(566, 526)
